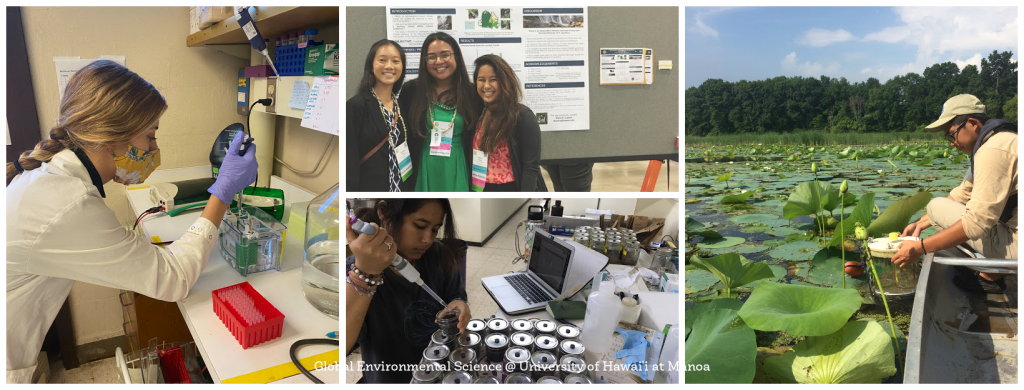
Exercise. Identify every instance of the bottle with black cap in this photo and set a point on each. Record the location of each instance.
(556, 210)
(534, 222)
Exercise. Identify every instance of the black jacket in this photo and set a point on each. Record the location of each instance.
(524, 151)
(524, 147)
(365, 128)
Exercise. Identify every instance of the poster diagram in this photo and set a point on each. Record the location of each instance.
(546, 47)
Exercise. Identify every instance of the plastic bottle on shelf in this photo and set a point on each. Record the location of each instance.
(603, 308)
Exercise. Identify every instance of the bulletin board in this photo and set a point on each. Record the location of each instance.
(627, 122)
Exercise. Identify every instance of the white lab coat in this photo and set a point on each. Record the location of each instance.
(59, 230)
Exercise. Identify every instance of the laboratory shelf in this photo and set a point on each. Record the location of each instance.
(271, 21)
(283, 93)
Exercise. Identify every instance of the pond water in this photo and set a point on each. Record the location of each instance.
(757, 230)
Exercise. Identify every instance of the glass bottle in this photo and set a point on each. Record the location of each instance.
(321, 252)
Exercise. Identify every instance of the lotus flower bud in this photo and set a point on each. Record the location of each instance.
(843, 187)
(814, 168)
(860, 232)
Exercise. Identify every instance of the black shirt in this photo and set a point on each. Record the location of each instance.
(400, 319)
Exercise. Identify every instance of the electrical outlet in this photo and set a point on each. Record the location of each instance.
(272, 93)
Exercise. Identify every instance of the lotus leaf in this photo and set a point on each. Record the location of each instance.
(799, 310)
(724, 242)
(784, 231)
(737, 198)
(805, 200)
(827, 267)
(693, 224)
(755, 228)
(897, 215)
(777, 222)
(862, 213)
(780, 273)
(725, 177)
(796, 251)
(734, 270)
(696, 311)
(739, 249)
(707, 234)
(718, 339)
(752, 218)
(860, 352)
(698, 280)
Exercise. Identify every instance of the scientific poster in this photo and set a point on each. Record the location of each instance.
(623, 66)
(546, 47)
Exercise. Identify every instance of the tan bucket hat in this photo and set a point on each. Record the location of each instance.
(956, 105)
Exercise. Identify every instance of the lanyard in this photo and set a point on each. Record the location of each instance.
(394, 121)
(455, 113)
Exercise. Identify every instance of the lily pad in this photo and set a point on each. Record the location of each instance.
(783, 231)
(752, 218)
(733, 270)
(739, 249)
(860, 352)
(796, 251)
(799, 310)
(777, 222)
(718, 340)
(723, 242)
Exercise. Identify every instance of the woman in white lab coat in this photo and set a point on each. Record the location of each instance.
(59, 229)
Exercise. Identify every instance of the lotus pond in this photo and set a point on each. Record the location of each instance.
(768, 239)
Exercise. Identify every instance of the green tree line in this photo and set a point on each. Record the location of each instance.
(905, 103)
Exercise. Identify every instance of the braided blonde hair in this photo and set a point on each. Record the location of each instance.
(104, 104)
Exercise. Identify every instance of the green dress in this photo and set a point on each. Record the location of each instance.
(444, 174)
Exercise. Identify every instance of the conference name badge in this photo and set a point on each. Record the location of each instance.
(479, 170)
(441, 140)
(404, 160)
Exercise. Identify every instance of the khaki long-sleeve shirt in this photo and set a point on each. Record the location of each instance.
(993, 180)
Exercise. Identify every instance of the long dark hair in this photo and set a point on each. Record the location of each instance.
(394, 212)
(369, 80)
(505, 111)
(462, 87)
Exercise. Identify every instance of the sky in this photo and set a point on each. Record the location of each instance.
(757, 43)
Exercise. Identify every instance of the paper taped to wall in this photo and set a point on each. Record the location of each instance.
(68, 66)
(300, 95)
(322, 107)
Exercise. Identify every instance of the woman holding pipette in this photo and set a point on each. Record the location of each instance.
(388, 317)
(59, 230)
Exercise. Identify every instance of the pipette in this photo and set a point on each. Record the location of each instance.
(399, 264)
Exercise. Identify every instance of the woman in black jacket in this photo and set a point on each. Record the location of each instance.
(377, 150)
(506, 142)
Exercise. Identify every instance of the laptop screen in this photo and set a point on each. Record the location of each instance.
(549, 260)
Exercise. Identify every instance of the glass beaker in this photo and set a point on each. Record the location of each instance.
(631, 251)
(322, 252)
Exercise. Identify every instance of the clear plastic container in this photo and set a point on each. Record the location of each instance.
(251, 241)
(321, 252)
(602, 317)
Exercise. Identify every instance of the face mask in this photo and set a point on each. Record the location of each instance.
(136, 165)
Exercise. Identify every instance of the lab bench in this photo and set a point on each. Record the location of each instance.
(225, 359)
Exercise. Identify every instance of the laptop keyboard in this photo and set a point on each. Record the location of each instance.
(528, 289)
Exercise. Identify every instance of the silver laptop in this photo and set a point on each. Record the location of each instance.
(545, 279)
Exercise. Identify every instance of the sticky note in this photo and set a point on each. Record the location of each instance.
(300, 95)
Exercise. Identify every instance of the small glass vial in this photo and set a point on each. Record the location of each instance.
(632, 252)
(598, 244)
(614, 251)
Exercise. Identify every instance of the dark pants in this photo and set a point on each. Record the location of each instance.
(571, 177)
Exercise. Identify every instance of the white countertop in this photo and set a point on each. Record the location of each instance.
(224, 356)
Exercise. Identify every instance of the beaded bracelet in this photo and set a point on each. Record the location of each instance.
(372, 280)
(362, 291)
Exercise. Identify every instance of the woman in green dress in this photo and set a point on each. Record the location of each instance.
(444, 107)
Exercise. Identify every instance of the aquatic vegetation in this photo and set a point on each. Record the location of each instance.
(733, 270)
(800, 310)
(858, 353)
(719, 340)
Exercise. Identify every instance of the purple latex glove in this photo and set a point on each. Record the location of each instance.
(236, 172)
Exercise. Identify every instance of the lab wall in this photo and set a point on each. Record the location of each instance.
(301, 148)
(199, 85)
(476, 219)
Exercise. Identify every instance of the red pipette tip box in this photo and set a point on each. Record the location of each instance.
(245, 333)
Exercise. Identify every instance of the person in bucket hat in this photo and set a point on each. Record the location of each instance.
(982, 210)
